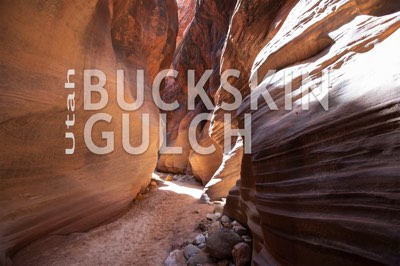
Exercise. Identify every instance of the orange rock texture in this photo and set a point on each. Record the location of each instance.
(42, 190)
(186, 9)
(199, 50)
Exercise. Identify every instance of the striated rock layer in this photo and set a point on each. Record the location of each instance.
(321, 186)
(186, 9)
(199, 50)
(42, 190)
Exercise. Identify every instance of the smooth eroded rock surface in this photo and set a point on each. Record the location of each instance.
(227, 174)
(200, 50)
(186, 10)
(44, 191)
(321, 187)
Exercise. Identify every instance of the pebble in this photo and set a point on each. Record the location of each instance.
(202, 245)
(199, 239)
(169, 178)
(190, 250)
(139, 197)
(226, 222)
(205, 198)
(202, 225)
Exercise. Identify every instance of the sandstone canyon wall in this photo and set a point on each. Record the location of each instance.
(42, 190)
(186, 10)
(200, 50)
(320, 187)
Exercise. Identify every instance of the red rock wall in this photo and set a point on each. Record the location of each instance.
(42, 190)
(321, 187)
(246, 36)
(199, 50)
(186, 10)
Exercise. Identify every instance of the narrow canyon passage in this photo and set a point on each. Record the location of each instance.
(154, 226)
(287, 113)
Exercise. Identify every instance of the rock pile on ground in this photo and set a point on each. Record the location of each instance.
(220, 242)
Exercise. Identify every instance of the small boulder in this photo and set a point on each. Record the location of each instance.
(202, 225)
(205, 198)
(241, 254)
(139, 197)
(221, 243)
(190, 250)
(234, 223)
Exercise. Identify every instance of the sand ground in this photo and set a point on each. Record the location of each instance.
(154, 226)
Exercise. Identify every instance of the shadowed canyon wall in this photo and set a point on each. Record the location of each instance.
(42, 190)
(320, 187)
(247, 35)
(199, 51)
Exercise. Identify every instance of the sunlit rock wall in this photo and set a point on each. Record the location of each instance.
(321, 187)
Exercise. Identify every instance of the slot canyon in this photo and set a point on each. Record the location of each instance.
(306, 170)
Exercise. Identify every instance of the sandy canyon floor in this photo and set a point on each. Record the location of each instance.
(155, 225)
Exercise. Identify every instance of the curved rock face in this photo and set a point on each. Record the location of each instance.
(246, 36)
(321, 186)
(227, 174)
(43, 190)
(199, 50)
(186, 10)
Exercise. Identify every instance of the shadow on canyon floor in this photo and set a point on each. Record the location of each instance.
(154, 226)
